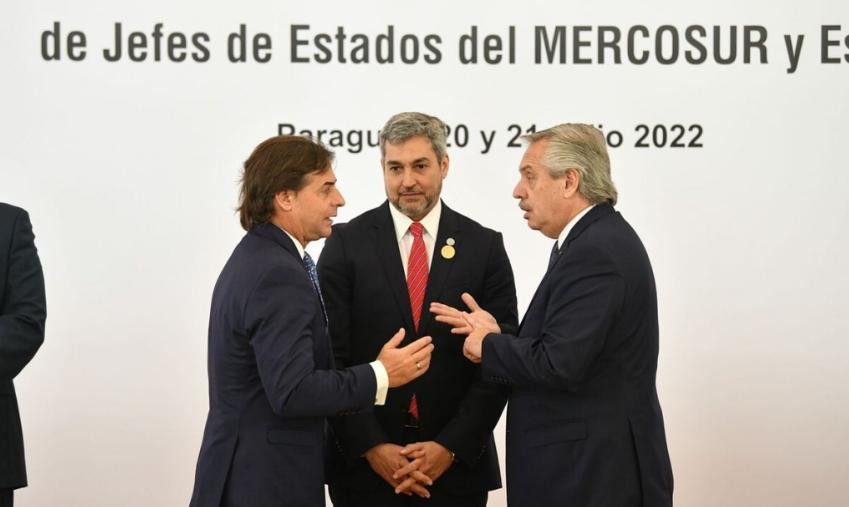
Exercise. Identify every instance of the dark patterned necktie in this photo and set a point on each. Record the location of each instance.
(313, 274)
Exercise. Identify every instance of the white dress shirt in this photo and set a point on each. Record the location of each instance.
(566, 230)
(402, 222)
(380, 374)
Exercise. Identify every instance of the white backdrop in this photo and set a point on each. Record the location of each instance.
(130, 169)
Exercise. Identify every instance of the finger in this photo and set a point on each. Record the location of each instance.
(423, 354)
(407, 469)
(442, 309)
(418, 345)
(396, 339)
(420, 490)
(470, 302)
(462, 330)
(451, 320)
(418, 453)
(405, 485)
(419, 476)
(415, 446)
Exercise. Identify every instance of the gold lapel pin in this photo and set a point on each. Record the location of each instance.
(448, 250)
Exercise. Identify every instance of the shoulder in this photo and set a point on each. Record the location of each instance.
(256, 258)
(11, 214)
(468, 225)
(610, 240)
(358, 225)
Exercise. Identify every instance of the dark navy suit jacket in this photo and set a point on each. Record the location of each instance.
(584, 423)
(22, 314)
(271, 381)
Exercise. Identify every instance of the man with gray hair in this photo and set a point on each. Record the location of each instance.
(584, 425)
(433, 438)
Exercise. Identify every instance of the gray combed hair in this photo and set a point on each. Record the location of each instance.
(403, 126)
(582, 148)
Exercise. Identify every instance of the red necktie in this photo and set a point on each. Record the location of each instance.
(416, 284)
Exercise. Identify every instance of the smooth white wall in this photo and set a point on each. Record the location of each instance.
(130, 172)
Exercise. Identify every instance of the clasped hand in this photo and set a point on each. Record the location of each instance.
(409, 469)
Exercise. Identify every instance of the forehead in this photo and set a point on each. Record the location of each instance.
(409, 149)
(534, 156)
(321, 178)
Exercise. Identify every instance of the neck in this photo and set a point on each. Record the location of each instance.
(575, 211)
(289, 227)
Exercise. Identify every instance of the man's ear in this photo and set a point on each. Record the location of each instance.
(284, 200)
(571, 181)
(443, 166)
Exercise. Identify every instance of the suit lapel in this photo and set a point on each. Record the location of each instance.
(599, 211)
(386, 247)
(440, 267)
(272, 232)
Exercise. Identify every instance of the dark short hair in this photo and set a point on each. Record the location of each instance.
(278, 164)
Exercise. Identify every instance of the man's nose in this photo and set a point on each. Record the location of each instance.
(517, 190)
(408, 180)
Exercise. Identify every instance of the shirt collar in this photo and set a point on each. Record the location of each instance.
(566, 230)
(295, 241)
(402, 222)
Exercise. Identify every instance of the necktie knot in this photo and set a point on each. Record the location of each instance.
(308, 262)
(313, 274)
(553, 257)
(416, 229)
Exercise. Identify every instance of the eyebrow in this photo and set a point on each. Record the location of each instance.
(398, 162)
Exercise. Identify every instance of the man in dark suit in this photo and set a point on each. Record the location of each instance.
(379, 272)
(584, 425)
(23, 311)
(271, 379)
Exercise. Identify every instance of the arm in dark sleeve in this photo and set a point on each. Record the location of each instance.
(357, 433)
(22, 301)
(468, 431)
(585, 298)
(279, 316)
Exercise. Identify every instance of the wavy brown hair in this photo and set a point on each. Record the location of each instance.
(278, 164)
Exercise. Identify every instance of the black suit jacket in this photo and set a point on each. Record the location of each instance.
(584, 423)
(365, 291)
(270, 381)
(22, 314)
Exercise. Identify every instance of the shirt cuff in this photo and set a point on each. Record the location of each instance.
(382, 382)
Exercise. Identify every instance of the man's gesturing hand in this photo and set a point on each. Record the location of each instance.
(407, 363)
(465, 322)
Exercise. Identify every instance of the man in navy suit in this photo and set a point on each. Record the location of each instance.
(584, 422)
(23, 311)
(432, 438)
(271, 375)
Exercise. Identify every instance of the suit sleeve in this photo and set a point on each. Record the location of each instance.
(357, 433)
(467, 433)
(23, 301)
(585, 297)
(279, 316)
